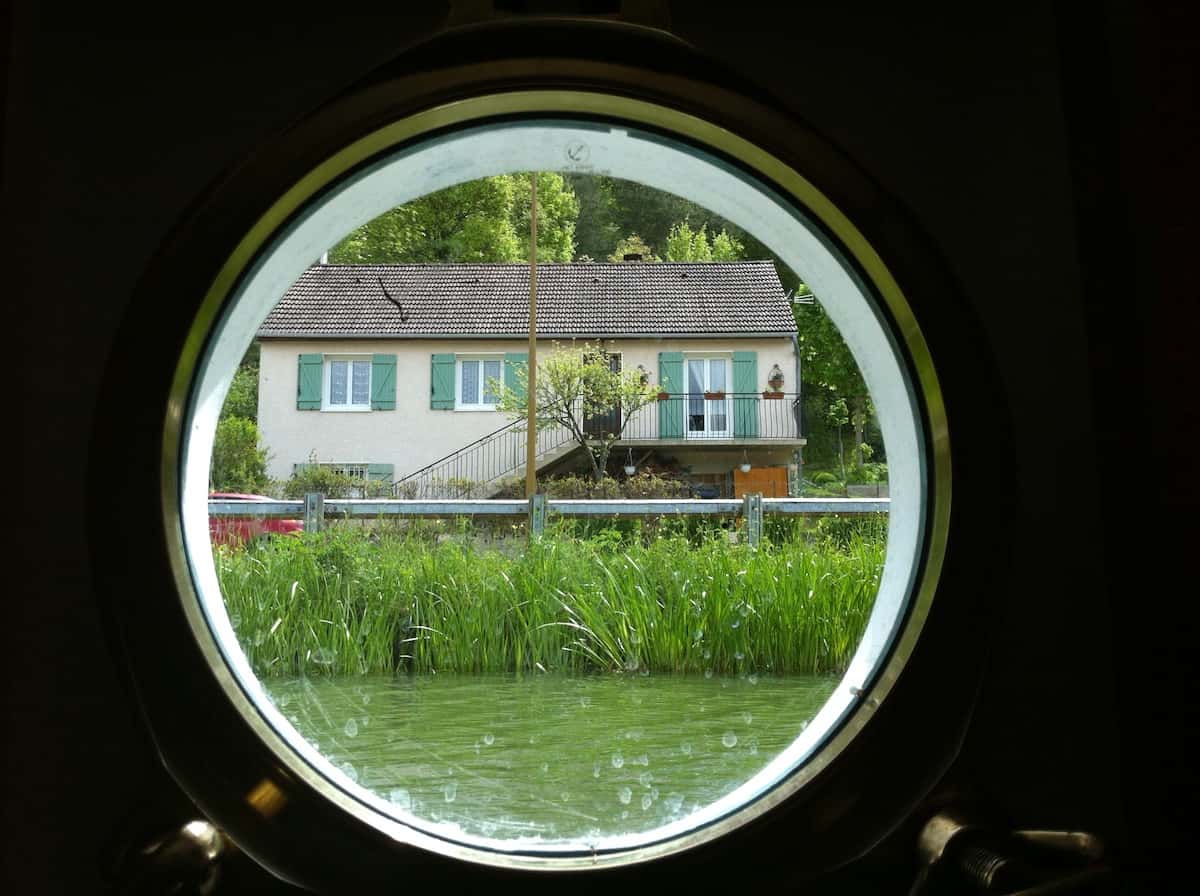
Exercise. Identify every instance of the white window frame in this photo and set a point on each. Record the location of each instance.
(709, 403)
(327, 383)
(459, 405)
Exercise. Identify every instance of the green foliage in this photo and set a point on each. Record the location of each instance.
(242, 398)
(633, 245)
(239, 464)
(349, 601)
(685, 244)
(485, 220)
(325, 480)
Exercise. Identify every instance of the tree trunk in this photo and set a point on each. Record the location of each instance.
(600, 460)
(858, 415)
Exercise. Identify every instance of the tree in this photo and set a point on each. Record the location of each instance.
(238, 463)
(485, 220)
(685, 244)
(576, 383)
(827, 364)
(633, 245)
(242, 398)
(596, 228)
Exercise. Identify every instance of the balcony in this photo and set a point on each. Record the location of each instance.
(712, 418)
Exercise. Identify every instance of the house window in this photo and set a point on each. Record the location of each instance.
(473, 382)
(347, 384)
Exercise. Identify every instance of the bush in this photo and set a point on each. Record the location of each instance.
(868, 472)
(238, 463)
(312, 477)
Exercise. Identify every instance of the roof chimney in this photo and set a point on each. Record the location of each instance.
(632, 256)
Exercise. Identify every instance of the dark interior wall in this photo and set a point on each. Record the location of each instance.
(1047, 161)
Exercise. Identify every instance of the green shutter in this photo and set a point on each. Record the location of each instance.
(513, 363)
(380, 472)
(745, 383)
(441, 384)
(670, 379)
(308, 383)
(383, 382)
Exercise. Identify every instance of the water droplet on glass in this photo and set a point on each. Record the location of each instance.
(596, 769)
(349, 771)
(545, 767)
(647, 802)
(708, 673)
(585, 701)
(323, 656)
(686, 748)
(624, 795)
(739, 656)
(631, 664)
(351, 728)
(450, 791)
(366, 698)
(730, 739)
(735, 623)
(707, 654)
(400, 798)
(259, 637)
(565, 797)
(674, 802)
(747, 717)
(489, 738)
(635, 638)
(617, 760)
(752, 678)
(645, 779)
(753, 748)
(698, 635)
(645, 673)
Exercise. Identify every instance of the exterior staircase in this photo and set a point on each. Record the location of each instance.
(482, 468)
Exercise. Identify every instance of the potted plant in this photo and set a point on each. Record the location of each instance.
(775, 379)
(714, 396)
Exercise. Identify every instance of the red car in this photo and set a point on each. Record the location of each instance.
(233, 531)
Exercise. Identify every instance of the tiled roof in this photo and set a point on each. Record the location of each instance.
(579, 299)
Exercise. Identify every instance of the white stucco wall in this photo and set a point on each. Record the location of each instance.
(414, 435)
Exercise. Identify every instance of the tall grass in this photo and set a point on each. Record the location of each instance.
(350, 601)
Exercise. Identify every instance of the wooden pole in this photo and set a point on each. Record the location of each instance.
(531, 390)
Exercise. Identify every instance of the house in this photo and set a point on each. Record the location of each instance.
(382, 370)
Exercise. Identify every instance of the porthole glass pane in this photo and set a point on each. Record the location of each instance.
(604, 681)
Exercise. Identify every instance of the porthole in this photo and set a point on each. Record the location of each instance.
(573, 132)
(294, 806)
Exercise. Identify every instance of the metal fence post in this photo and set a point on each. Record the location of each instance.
(314, 512)
(537, 515)
(752, 510)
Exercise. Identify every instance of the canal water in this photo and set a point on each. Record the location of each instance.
(550, 758)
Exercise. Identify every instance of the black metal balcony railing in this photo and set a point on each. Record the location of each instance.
(477, 469)
(716, 417)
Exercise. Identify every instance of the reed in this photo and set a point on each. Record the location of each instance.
(356, 601)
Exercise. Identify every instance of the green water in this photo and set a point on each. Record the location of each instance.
(553, 758)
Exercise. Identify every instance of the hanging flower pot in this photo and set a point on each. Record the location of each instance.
(714, 396)
(663, 396)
